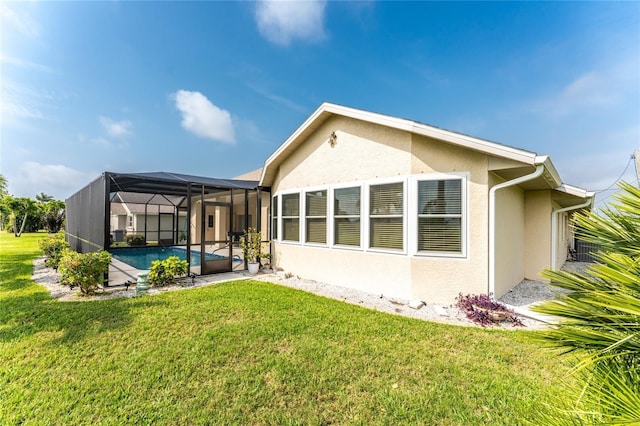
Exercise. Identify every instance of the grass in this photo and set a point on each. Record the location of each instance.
(248, 352)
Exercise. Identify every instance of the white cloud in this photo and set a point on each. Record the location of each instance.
(118, 129)
(602, 88)
(26, 64)
(23, 22)
(22, 102)
(203, 118)
(281, 22)
(278, 99)
(54, 179)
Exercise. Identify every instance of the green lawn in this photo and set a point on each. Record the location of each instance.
(248, 352)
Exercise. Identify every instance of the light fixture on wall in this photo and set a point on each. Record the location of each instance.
(333, 139)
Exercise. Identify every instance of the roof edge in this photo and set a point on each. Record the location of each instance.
(411, 126)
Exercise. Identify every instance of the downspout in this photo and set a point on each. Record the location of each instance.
(554, 228)
(492, 221)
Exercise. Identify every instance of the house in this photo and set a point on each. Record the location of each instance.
(397, 207)
(154, 216)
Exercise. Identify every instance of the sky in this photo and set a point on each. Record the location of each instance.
(213, 88)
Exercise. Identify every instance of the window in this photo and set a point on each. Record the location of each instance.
(291, 217)
(386, 219)
(130, 221)
(316, 217)
(210, 221)
(440, 216)
(274, 219)
(346, 214)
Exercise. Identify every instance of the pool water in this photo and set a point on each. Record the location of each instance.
(141, 258)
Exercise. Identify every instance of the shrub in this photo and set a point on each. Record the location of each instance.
(53, 247)
(85, 270)
(599, 320)
(483, 310)
(165, 271)
(251, 244)
(135, 240)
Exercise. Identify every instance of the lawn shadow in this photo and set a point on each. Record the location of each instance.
(31, 314)
(28, 308)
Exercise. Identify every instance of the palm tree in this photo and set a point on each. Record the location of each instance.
(600, 318)
(4, 185)
(43, 198)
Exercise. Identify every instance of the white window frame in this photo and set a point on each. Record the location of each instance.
(282, 217)
(303, 211)
(413, 213)
(332, 216)
(367, 216)
(275, 214)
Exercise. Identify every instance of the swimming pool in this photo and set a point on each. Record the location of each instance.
(141, 258)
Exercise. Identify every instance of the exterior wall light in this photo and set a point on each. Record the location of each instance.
(333, 139)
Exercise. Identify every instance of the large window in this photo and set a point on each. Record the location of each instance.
(274, 218)
(440, 216)
(316, 217)
(346, 214)
(386, 221)
(291, 217)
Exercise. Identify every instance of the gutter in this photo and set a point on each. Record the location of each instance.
(492, 221)
(554, 228)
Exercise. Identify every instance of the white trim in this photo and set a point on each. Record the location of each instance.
(303, 201)
(385, 181)
(409, 216)
(275, 214)
(332, 188)
(465, 227)
(327, 109)
(281, 217)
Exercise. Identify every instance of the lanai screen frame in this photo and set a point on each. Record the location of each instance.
(89, 210)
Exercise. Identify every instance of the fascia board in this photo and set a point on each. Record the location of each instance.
(551, 171)
(575, 191)
(465, 141)
(475, 144)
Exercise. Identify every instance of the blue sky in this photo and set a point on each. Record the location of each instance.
(213, 88)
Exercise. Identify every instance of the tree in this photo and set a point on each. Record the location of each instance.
(53, 213)
(21, 209)
(43, 198)
(4, 185)
(600, 318)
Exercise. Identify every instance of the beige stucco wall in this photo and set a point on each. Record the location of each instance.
(364, 152)
(538, 208)
(440, 279)
(355, 157)
(509, 239)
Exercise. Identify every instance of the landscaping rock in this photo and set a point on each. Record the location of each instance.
(416, 304)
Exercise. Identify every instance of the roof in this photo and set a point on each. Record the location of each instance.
(327, 110)
(252, 175)
(171, 183)
(124, 203)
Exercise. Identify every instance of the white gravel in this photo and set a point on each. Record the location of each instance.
(522, 295)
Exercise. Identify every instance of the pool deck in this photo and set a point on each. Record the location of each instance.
(120, 273)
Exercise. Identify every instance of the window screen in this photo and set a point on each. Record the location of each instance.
(440, 216)
(291, 217)
(274, 219)
(346, 213)
(316, 217)
(386, 222)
